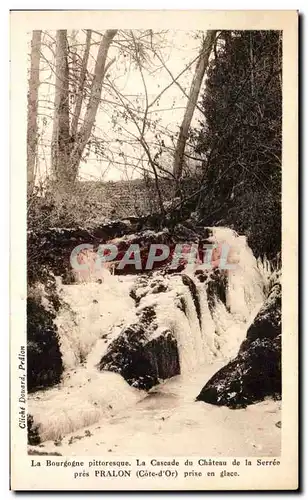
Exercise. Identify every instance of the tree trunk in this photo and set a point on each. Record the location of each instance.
(81, 82)
(32, 130)
(100, 68)
(192, 102)
(60, 147)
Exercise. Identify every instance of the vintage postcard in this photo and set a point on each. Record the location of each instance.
(154, 198)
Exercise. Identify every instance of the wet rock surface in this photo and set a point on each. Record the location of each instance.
(216, 286)
(144, 353)
(51, 248)
(187, 281)
(32, 431)
(267, 323)
(140, 359)
(256, 371)
(44, 358)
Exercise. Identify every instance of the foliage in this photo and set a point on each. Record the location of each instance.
(240, 138)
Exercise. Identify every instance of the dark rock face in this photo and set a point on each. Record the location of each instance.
(44, 359)
(187, 281)
(142, 361)
(216, 287)
(253, 375)
(33, 433)
(50, 249)
(256, 371)
(142, 354)
(216, 283)
(267, 323)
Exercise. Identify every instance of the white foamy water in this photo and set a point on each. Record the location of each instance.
(216, 334)
(245, 289)
(96, 315)
(93, 309)
(168, 422)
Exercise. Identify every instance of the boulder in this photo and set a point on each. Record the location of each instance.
(267, 323)
(32, 431)
(255, 373)
(187, 281)
(44, 358)
(142, 358)
(144, 352)
(251, 377)
(216, 283)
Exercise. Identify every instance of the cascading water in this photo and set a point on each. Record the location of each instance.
(206, 330)
(203, 333)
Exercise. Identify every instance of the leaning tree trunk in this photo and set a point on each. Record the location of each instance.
(60, 146)
(192, 102)
(84, 133)
(32, 128)
(80, 85)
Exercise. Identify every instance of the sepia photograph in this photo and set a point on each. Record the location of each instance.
(154, 257)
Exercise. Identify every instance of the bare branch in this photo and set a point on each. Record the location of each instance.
(82, 78)
(34, 82)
